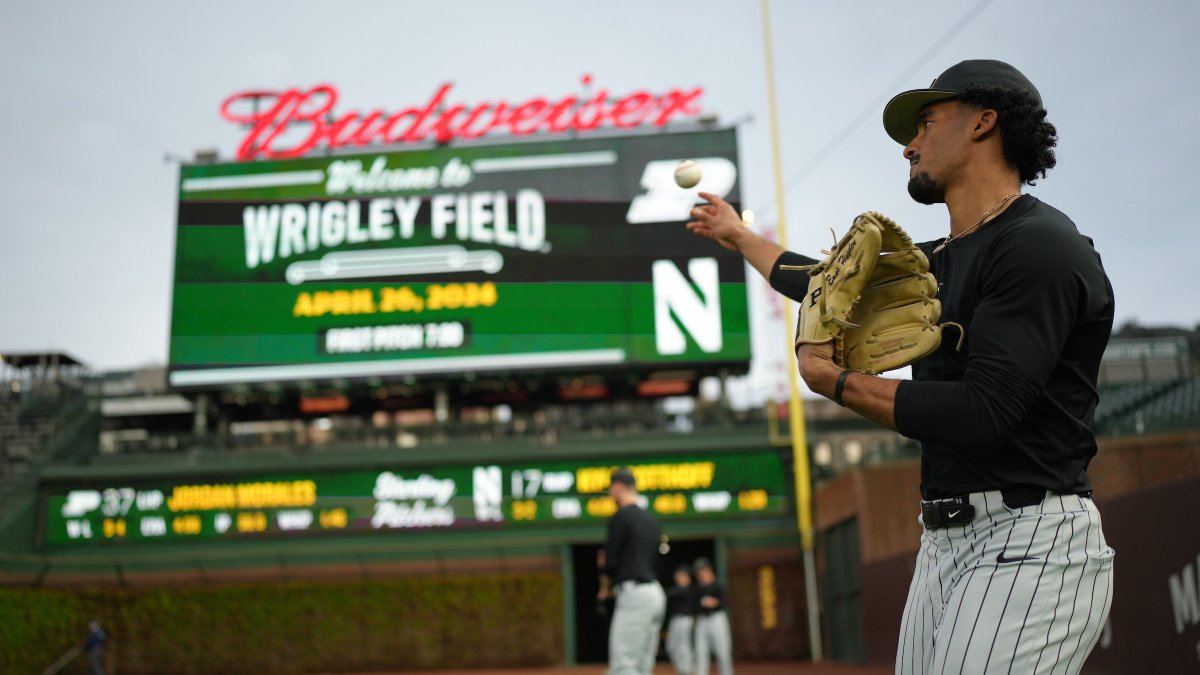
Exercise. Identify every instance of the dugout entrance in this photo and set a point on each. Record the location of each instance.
(592, 618)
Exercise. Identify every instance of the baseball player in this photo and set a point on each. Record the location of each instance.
(680, 621)
(1013, 574)
(629, 559)
(712, 624)
(94, 646)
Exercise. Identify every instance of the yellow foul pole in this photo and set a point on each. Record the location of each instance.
(804, 516)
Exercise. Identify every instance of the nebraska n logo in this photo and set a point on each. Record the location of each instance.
(698, 310)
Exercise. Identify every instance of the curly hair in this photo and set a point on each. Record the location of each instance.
(1026, 137)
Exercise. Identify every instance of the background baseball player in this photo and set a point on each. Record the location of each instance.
(1013, 573)
(94, 646)
(713, 637)
(630, 559)
(681, 610)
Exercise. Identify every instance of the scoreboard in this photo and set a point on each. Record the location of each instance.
(555, 254)
(706, 486)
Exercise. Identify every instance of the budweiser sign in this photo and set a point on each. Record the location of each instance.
(291, 122)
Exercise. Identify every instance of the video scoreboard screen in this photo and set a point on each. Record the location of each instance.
(554, 254)
(705, 486)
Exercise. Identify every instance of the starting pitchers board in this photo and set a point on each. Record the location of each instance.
(503, 495)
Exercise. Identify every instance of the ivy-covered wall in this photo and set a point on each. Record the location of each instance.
(512, 620)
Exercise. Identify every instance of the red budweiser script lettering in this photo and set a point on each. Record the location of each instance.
(292, 122)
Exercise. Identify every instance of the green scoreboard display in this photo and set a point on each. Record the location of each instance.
(707, 486)
(544, 255)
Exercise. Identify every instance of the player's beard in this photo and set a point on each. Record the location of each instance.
(925, 190)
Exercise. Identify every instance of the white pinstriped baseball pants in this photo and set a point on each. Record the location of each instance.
(679, 644)
(1014, 591)
(633, 635)
(713, 638)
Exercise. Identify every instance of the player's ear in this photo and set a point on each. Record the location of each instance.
(983, 122)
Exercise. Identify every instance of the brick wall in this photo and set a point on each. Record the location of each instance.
(884, 498)
(1135, 463)
(767, 604)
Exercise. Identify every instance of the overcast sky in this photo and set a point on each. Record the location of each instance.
(95, 94)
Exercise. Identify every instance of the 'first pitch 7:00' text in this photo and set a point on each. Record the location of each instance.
(431, 297)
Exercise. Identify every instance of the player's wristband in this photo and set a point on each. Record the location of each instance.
(841, 384)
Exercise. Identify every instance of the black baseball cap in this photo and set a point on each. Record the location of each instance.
(624, 476)
(900, 114)
(701, 563)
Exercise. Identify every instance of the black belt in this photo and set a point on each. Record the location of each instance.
(959, 511)
(946, 512)
(1020, 497)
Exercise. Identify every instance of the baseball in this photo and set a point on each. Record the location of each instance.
(687, 174)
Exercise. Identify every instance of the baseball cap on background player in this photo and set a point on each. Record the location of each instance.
(900, 114)
(625, 477)
(701, 563)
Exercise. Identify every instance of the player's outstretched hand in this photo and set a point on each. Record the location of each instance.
(718, 221)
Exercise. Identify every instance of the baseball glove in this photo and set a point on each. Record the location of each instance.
(873, 298)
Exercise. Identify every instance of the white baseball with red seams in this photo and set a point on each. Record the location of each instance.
(687, 174)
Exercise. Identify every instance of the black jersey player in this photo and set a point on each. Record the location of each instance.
(1013, 572)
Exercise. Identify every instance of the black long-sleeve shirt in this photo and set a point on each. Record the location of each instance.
(1014, 408)
(631, 550)
(713, 590)
(681, 601)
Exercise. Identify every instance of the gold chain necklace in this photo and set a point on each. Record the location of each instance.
(989, 212)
